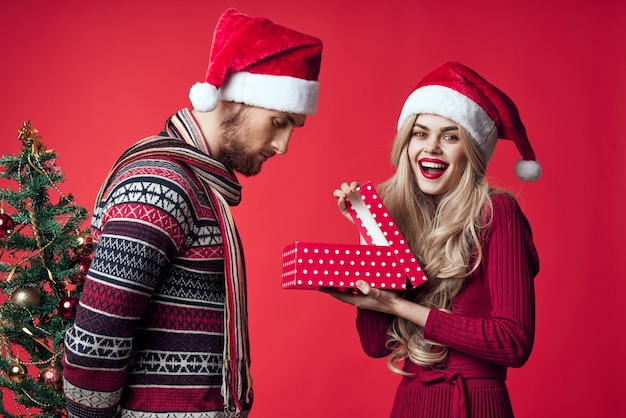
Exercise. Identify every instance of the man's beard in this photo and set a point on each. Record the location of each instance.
(236, 153)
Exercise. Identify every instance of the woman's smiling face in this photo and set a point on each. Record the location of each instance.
(436, 154)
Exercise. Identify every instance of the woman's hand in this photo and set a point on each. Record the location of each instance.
(368, 298)
(341, 194)
(386, 301)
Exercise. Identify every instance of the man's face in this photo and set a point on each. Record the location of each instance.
(252, 135)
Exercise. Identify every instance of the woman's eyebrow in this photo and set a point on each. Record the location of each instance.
(444, 129)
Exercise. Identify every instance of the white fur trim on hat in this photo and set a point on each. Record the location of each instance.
(282, 93)
(449, 103)
(527, 170)
(203, 96)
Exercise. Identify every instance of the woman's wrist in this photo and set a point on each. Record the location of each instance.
(411, 311)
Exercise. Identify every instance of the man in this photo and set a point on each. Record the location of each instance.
(161, 330)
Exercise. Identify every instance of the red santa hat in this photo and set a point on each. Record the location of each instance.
(458, 93)
(259, 63)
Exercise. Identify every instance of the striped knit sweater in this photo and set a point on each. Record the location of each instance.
(490, 329)
(148, 339)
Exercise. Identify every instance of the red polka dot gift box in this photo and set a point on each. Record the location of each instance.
(385, 262)
(311, 265)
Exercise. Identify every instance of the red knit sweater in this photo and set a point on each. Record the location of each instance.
(148, 339)
(491, 328)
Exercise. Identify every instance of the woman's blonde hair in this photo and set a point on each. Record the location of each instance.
(444, 235)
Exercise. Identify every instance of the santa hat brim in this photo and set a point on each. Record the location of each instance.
(282, 93)
(449, 103)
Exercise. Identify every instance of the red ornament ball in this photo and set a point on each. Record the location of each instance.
(83, 263)
(84, 244)
(6, 225)
(51, 376)
(67, 308)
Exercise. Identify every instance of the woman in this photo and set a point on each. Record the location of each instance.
(454, 337)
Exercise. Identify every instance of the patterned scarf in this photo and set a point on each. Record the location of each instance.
(224, 190)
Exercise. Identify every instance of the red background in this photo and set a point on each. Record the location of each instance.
(95, 76)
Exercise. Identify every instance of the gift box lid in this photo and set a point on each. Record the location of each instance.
(377, 227)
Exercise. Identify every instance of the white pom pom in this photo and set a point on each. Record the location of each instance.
(204, 97)
(527, 170)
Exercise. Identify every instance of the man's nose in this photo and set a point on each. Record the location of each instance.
(281, 144)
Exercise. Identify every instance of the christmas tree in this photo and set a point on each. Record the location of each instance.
(44, 258)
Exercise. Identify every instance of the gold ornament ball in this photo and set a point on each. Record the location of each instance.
(84, 244)
(26, 295)
(17, 373)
